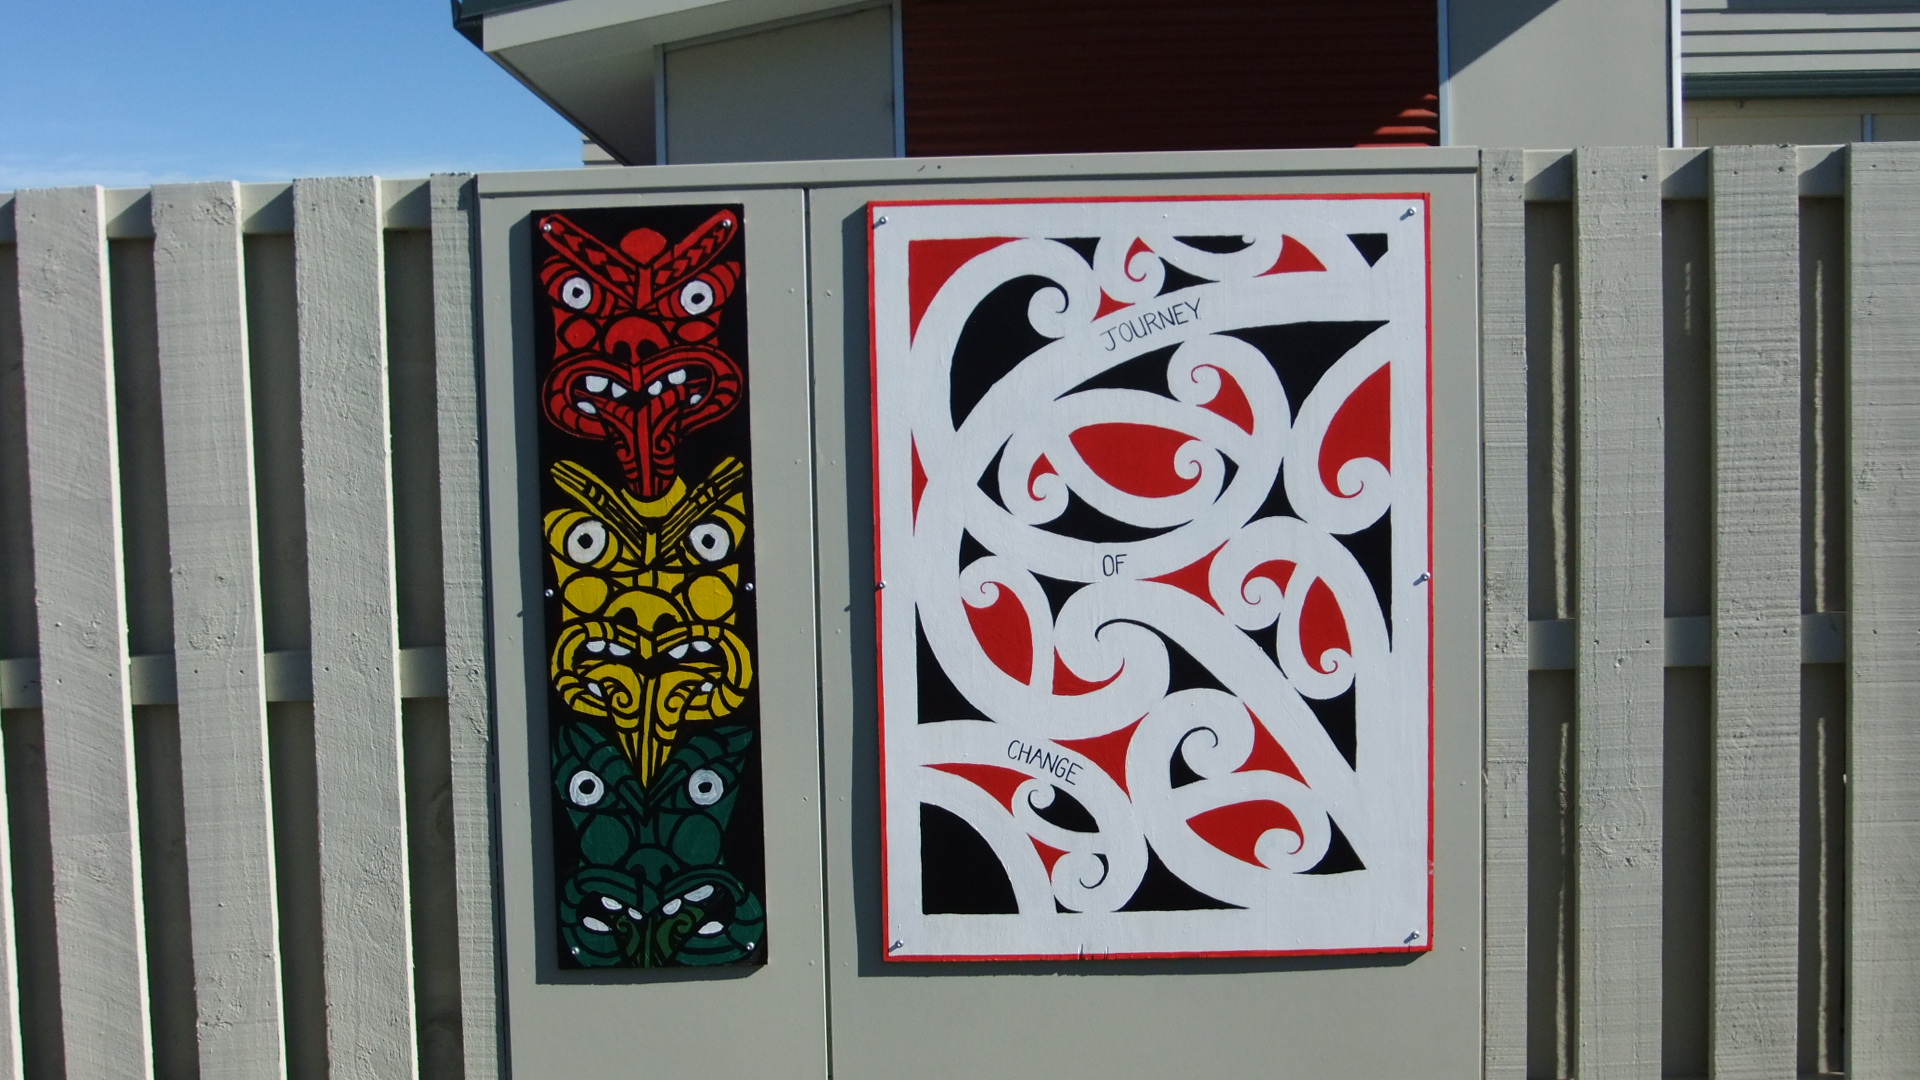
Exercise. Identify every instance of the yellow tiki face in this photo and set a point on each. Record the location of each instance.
(649, 600)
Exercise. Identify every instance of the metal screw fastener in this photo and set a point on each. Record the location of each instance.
(1423, 578)
(878, 585)
(879, 221)
(896, 946)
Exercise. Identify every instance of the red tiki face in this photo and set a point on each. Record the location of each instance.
(635, 352)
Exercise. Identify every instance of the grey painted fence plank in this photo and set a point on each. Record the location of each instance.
(74, 477)
(11, 1051)
(219, 661)
(1883, 846)
(1503, 361)
(338, 270)
(1619, 665)
(16, 613)
(1756, 626)
(463, 562)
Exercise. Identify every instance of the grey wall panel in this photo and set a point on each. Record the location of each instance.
(1535, 73)
(763, 1022)
(816, 89)
(1333, 1017)
(1107, 1019)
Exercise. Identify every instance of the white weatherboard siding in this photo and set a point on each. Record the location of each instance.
(1725, 36)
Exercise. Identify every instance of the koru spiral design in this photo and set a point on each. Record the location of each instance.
(1153, 519)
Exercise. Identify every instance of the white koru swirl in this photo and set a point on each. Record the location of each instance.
(1264, 782)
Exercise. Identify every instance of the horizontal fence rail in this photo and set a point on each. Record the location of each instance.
(245, 679)
(285, 676)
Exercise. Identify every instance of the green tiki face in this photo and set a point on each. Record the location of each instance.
(652, 889)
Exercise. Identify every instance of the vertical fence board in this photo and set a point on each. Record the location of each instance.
(16, 620)
(1550, 284)
(1686, 837)
(1503, 359)
(1823, 688)
(88, 713)
(42, 1049)
(339, 269)
(207, 410)
(1756, 673)
(463, 568)
(1884, 395)
(1621, 652)
(10, 1046)
(11, 1051)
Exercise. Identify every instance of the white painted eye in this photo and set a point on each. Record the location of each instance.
(696, 297)
(587, 541)
(710, 929)
(576, 293)
(704, 787)
(586, 788)
(610, 903)
(595, 925)
(710, 541)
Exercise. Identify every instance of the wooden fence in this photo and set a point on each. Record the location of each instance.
(246, 724)
(243, 670)
(1702, 752)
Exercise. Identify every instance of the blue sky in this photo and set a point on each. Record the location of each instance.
(124, 93)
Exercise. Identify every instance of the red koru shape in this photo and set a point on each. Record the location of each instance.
(635, 359)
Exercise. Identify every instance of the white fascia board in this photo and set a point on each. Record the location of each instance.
(654, 22)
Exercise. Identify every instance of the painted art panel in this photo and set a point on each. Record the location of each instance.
(1153, 519)
(647, 535)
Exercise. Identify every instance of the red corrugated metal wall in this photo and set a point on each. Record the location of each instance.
(1068, 76)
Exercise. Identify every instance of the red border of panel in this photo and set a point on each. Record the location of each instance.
(879, 597)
